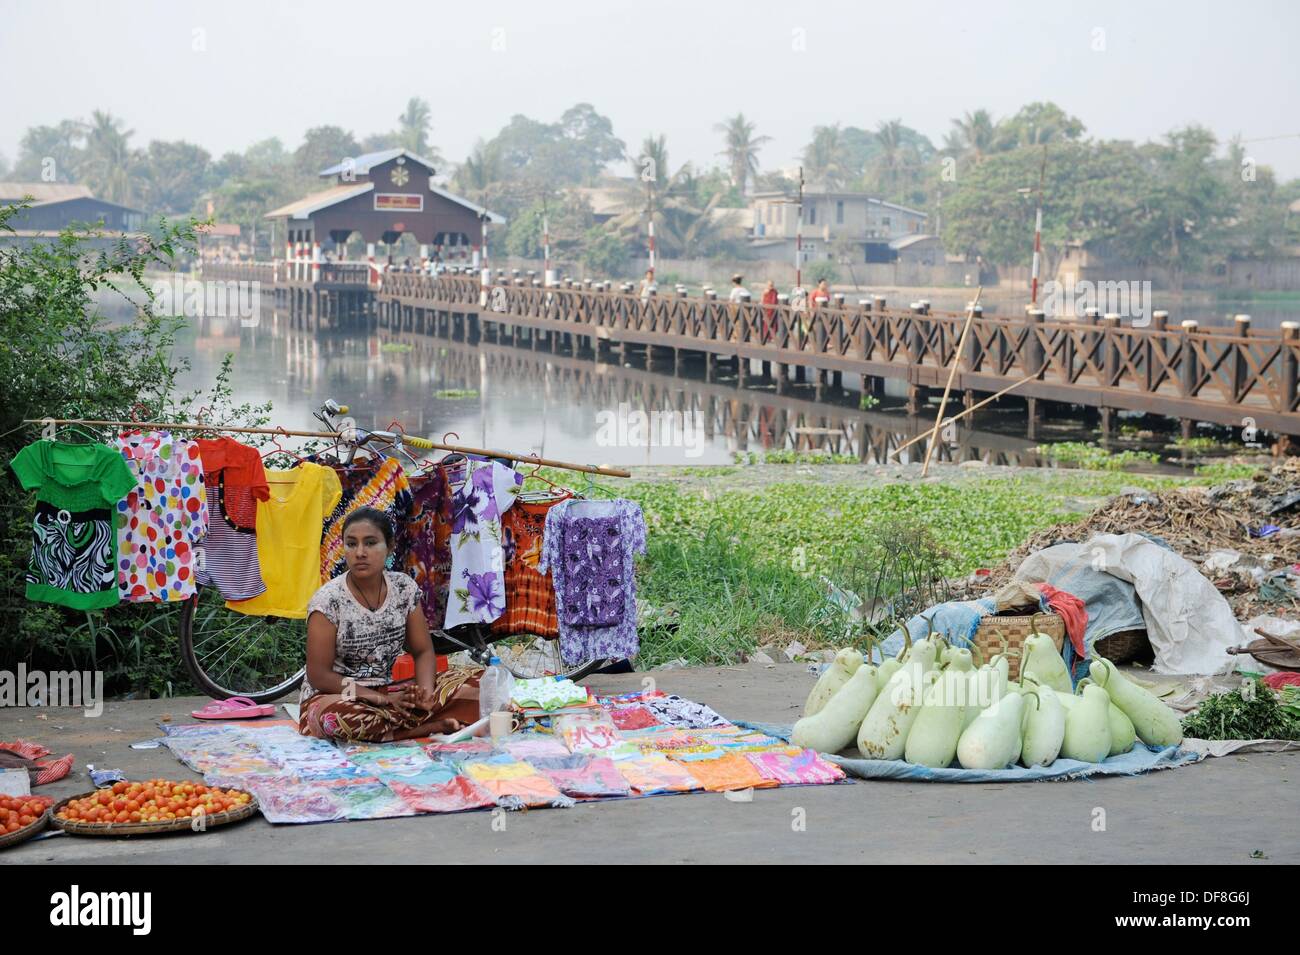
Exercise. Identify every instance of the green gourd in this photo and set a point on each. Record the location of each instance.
(1044, 662)
(832, 729)
(1087, 727)
(933, 738)
(992, 741)
(845, 664)
(1154, 722)
(883, 734)
(1044, 727)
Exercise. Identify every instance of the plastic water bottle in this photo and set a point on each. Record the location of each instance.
(494, 688)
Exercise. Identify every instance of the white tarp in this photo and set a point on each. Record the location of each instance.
(1188, 622)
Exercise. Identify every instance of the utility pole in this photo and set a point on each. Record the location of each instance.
(1038, 231)
(546, 246)
(798, 236)
(652, 225)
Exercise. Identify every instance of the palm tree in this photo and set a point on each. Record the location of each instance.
(682, 228)
(480, 170)
(826, 159)
(413, 129)
(741, 149)
(972, 136)
(108, 158)
(891, 157)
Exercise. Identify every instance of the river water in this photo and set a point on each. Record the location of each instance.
(570, 408)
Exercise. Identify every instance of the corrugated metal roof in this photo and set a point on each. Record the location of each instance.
(493, 217)
(363, 164)
(43, 192)
(910, 240)
(304, 207)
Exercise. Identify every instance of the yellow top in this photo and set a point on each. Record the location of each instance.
(289, 525)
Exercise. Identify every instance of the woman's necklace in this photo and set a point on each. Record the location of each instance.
(379, 597)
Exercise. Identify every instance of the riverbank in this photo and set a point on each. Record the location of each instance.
(740, 558)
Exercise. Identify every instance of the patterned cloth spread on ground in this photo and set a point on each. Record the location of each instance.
(1141, 759)
(577, 758)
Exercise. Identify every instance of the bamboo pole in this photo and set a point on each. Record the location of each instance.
(952, 373)
(412, 440)
(971, 410)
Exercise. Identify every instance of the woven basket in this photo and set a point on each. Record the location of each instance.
(75, 827)
(1123, 646)
(26, 832)
(1007, 635)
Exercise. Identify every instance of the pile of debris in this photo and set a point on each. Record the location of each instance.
(1244, 535)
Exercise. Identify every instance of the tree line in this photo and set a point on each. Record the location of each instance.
(1184, 202)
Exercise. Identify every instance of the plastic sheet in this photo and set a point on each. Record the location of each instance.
(534, 745)
(285, 800)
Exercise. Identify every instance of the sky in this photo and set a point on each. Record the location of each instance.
(225, 75)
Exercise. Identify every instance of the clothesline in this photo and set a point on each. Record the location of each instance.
(413, 441)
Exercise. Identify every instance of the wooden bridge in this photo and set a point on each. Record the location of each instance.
(1239, 377)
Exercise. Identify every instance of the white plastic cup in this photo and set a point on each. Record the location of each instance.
(499, 724)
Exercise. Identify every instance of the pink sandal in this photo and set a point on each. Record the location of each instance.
(235, 708)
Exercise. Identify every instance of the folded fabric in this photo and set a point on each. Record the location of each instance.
(656, 773)
(547, 694)
(454, 795)
(726, 773)
(807, 768)
(676, 711)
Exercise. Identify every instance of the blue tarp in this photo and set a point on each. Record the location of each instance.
(957, 620)
(1141, 759)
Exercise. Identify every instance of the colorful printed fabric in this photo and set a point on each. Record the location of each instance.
(805, 769)
(688, 714)
(478, 501)
(530, 594)
(239, 468)
(74, 542)
(547, 693)
(635, 717)
(596, 778)
(729, 772)
(162, 521)
(229, 551)
(455, 795)
(427, 558)
(655, 773)
(589, 548)
(384, 488)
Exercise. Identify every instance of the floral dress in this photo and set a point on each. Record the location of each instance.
(478, 592)
(589, 548)
(161, 521)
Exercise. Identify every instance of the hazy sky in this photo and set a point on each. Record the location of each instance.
(226, 74)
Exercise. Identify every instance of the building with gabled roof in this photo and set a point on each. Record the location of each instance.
(383, 196)
(54, 206)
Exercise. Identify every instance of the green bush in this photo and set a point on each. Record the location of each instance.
(61, 358)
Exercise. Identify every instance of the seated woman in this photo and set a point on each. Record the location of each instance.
(357, 624)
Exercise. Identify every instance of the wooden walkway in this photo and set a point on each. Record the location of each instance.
(1239, 377)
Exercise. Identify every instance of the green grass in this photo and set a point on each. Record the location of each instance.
(740, 569)
(1226, 471)
(456, 393)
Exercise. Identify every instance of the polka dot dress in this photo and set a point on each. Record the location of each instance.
(161, 524)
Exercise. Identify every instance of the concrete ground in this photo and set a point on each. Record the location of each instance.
(1217, 811)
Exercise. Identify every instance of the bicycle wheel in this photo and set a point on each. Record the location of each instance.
(232, 654)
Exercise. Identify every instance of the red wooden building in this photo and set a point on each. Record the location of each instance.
(383, 196)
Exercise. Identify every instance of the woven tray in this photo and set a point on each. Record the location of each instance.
(1007, 635)
(76, 827)
(26, 832)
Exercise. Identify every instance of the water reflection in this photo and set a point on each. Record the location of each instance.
(557, 405)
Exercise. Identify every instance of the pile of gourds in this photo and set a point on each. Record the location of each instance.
(933, 704)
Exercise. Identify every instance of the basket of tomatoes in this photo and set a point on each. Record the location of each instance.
(152, 806)
(22, 817)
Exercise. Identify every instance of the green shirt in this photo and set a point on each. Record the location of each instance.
(74, 538)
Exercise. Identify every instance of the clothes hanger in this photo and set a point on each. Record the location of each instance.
(279, 449)
(557, 493)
